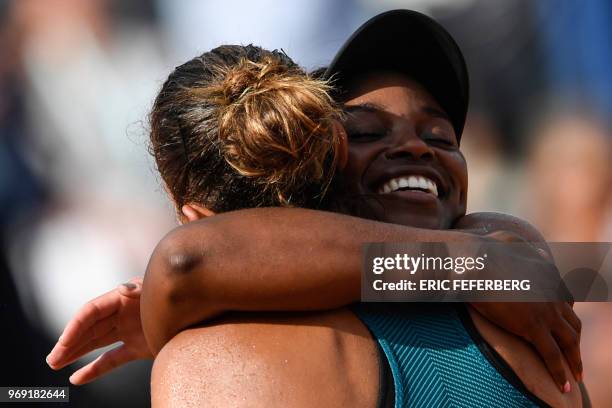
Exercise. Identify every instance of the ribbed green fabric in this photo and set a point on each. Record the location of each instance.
(434, 361)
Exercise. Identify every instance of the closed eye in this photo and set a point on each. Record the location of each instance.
(438, 140)
(365, 136)
(442, 142)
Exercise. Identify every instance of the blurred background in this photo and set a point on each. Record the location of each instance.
(81, 207)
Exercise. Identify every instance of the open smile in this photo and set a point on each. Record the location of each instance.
(413, 182)
(416, 183)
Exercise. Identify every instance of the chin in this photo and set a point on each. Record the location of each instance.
(428, 215)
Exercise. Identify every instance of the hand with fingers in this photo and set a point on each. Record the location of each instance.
(107, 319)
(552, 328)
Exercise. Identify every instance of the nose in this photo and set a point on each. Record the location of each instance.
(410, 146)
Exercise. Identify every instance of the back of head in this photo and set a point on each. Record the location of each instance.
(241, 127)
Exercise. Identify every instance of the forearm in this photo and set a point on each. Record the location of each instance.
(262, 259)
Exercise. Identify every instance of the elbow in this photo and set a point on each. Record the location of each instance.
(172, 269)
(176, 255)
(167, 288)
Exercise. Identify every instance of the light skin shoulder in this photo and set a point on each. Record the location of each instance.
(305, 360)
(269, 360)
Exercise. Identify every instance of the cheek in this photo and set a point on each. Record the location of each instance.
(360, 156)
(455, 164)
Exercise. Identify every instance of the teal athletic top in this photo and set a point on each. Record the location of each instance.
(437, 358)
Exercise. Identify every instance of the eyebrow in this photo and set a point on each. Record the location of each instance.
(375, 108)
(364, 107)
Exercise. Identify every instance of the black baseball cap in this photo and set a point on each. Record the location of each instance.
(412, 43)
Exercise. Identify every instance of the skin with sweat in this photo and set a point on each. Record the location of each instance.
(395, 128)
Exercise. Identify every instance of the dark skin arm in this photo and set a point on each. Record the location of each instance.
(236, 262)
(262, 260)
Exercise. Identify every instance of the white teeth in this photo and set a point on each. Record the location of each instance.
(394, 184)
(413, 182)
(419, 182)
(423, 183)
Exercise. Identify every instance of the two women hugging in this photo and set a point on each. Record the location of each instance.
(279, 177)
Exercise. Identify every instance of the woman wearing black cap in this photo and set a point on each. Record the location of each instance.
(402, 129)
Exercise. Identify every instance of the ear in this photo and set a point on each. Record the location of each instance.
(193, 212)
(342, 145)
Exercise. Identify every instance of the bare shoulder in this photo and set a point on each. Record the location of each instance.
(289, 360)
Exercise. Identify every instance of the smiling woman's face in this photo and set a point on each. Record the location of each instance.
(403, 152)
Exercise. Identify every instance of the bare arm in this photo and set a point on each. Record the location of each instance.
(299, 260)
(262, 259)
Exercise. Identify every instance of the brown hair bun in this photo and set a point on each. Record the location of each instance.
(261, 115)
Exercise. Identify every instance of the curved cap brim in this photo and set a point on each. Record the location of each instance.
(412, 43)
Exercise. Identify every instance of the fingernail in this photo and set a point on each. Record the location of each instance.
(567, 387)
(130, 285)
(49, 361)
